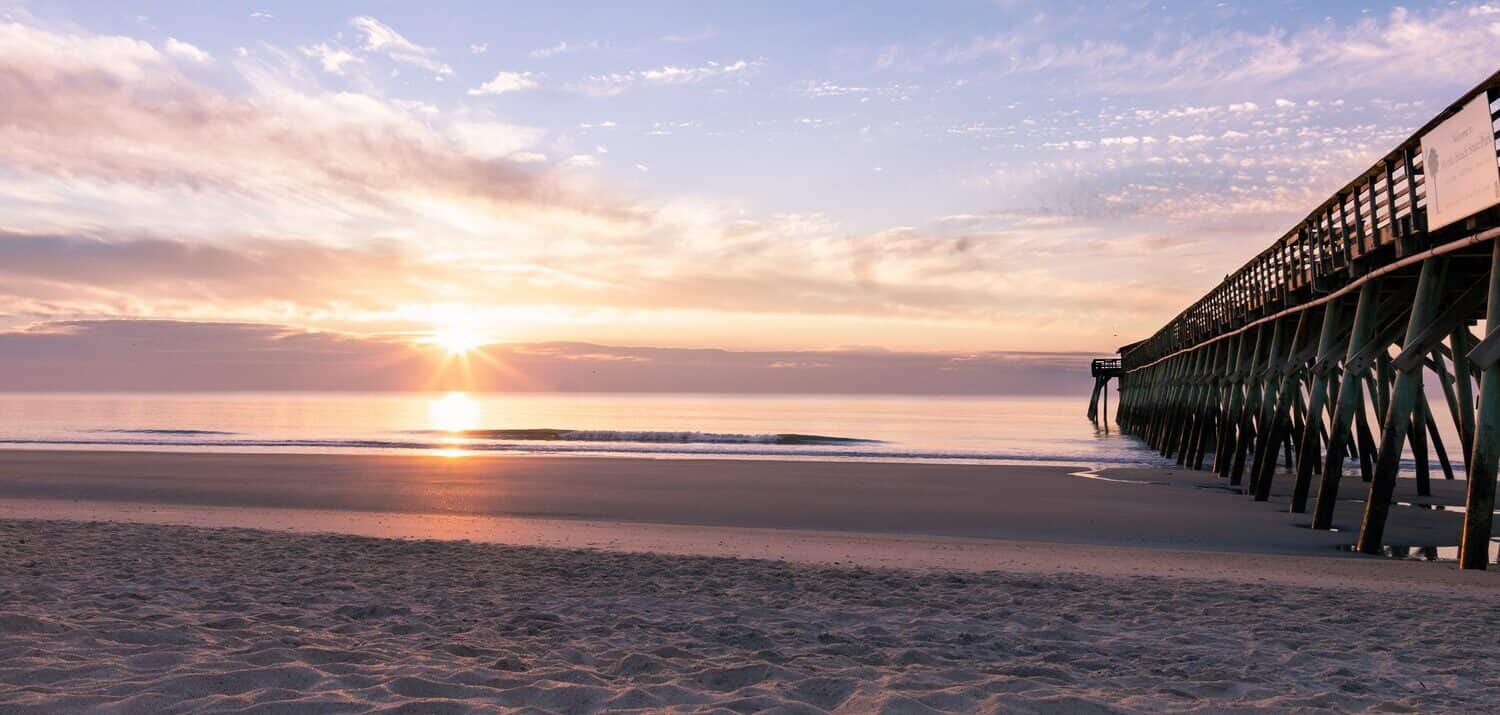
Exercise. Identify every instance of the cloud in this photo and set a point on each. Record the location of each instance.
(121, 271)
(563, 48)
(382, 38)
(114, 355)
(184, 50)
(352, 212)
(496, 140)
(1403, 47)
(618, 82)
(479, 48)
(818, 88)
(798, 276)
(107, 129)
(505, 82)
(333, 59)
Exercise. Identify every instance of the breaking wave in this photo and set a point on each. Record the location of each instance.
(564, 442)
(649, 437)
(184, 432)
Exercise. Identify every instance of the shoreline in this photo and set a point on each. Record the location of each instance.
(1042, 520)
(924, 457)
(1172, 509)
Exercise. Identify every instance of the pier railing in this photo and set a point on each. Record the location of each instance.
(1318, 348)
(1106, 367)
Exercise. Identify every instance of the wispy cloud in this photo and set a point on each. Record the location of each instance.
(187, 51)
(504, 82)
(563, 48)
(382, 38)
(181, 355)
(496, 140)
(332, 58)
(1402, 46)
(618, 82)
(823, 88)
(148, 124)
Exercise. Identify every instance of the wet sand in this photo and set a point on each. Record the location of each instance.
(1168, 509)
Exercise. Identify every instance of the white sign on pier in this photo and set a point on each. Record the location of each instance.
(1458, 160)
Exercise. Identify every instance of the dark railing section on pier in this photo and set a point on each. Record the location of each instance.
(1317, 348)
(1106, 367)
(1102, 369)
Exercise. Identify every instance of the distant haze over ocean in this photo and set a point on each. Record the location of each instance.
(154, 355)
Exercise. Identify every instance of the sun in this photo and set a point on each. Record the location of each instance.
(457, 339)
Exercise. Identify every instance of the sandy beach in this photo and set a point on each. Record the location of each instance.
(150, 618)
(521, 585)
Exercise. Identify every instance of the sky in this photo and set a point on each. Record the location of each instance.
(960, 178)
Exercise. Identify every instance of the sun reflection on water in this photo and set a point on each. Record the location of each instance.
(454, 412)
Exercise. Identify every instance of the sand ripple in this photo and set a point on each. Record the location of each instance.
(144, 619)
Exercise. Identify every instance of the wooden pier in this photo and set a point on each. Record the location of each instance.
(1323, 350)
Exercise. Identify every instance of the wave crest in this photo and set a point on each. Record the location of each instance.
(653, 437)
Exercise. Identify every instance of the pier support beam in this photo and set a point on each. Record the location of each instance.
(1282, 397)
(1245, 436)
(1403, 401)
(1463, 386)
(1100, 384)
(1267, 442)
(1234, 397)
(1355, 363)
(1418, 436)
(1323, 366)
(1479, 508)
(1213, 396)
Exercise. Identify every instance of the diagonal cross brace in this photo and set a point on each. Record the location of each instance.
(1487, 352)
(1413, 355)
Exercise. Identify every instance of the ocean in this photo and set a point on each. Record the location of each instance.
(1033, 430)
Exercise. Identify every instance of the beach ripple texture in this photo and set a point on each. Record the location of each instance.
(117, 618)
